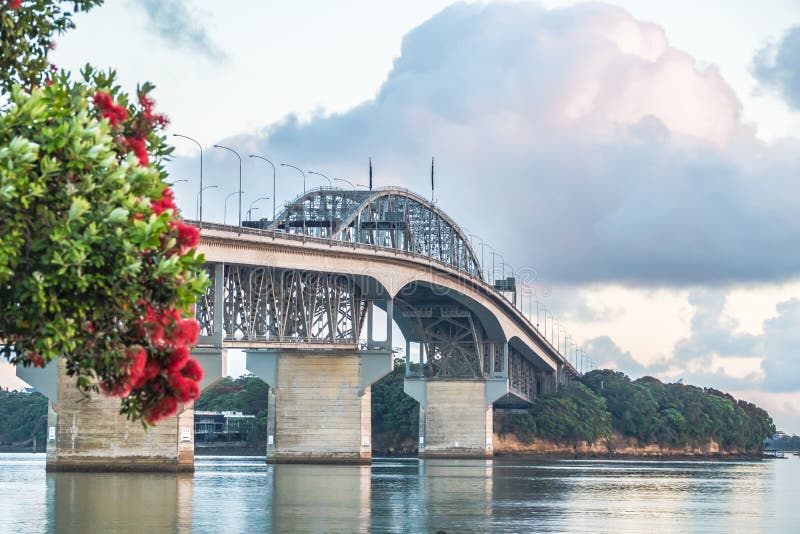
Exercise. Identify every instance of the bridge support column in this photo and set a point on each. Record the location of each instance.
(455, 416)
(319, 403)
(89, 434)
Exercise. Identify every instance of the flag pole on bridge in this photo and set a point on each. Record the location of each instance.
(370, 174)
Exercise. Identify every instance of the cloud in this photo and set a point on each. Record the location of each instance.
(777, 66)
(173, 22)
(781, 346)
(712, 333)
(576, 141)
(606, 354)
(716, 355)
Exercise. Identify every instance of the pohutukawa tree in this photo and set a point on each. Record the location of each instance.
(96, 266)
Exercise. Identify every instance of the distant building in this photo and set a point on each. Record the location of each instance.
(212, 427)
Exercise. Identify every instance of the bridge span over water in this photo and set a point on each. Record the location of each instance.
(300, 296)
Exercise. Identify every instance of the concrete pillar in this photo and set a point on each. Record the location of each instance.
(87, 433)
(455, 416)
(319, 409)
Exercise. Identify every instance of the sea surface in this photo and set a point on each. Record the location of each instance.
(240, 494)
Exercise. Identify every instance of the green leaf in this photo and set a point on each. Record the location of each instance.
(78, 208)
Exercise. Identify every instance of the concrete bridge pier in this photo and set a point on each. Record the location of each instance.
(319, 402)
(89, 434)
(455, 415)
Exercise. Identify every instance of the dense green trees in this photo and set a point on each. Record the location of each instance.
(395, 415)
(572, 415)
(669, 415)
(788, 443)
(246, 394)
(23, 416)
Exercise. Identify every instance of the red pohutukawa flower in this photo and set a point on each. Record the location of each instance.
(188, 236)
(108, 110)
(166, 202)
(14, 4)
(165, 369)
(137, 146)
(151, 119)
(158, 366)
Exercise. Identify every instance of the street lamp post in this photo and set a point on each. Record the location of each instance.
(240, 178)
(199, 199)
(483, 261)
(201, 172)
(225, 211)
(250, 209)
(302, 206)
(345, 181)
(300, 171)
(330, 182)
(491, 276)
(273, 181)
(541, 307)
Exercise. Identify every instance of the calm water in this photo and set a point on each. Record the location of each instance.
(228, 494)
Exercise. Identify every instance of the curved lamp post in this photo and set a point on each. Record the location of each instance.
(200, 196)
(345, 181)
(250, 209)
(330, 182)
(240, 178)
(225, 211)
(273, 180)
(298, 169)
(201, 172)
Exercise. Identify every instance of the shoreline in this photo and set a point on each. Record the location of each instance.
(531, 455)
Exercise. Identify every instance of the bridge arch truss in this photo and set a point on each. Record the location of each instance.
(389, 217)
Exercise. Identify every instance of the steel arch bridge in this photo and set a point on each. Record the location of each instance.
(389, 217)
(310, 278)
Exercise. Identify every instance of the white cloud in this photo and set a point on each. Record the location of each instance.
(777, 66)
(604, 154)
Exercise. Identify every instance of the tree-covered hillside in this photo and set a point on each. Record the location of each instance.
(22, 416)
(669, 415)
(247, 394)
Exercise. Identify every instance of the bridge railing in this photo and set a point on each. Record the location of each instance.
(422, 258)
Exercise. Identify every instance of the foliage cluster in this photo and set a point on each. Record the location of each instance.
(677, 415)
(247, 394)
(23, 417)
(95, 264)
(788, 443)
(26, 37)
(395, 415)
(670, 415)
(572, 415)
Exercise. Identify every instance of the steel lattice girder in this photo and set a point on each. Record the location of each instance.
(521, 374)
(285, 306)
(455, 341)
(392, 218)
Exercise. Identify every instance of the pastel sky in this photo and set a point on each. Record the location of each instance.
(641, 157)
